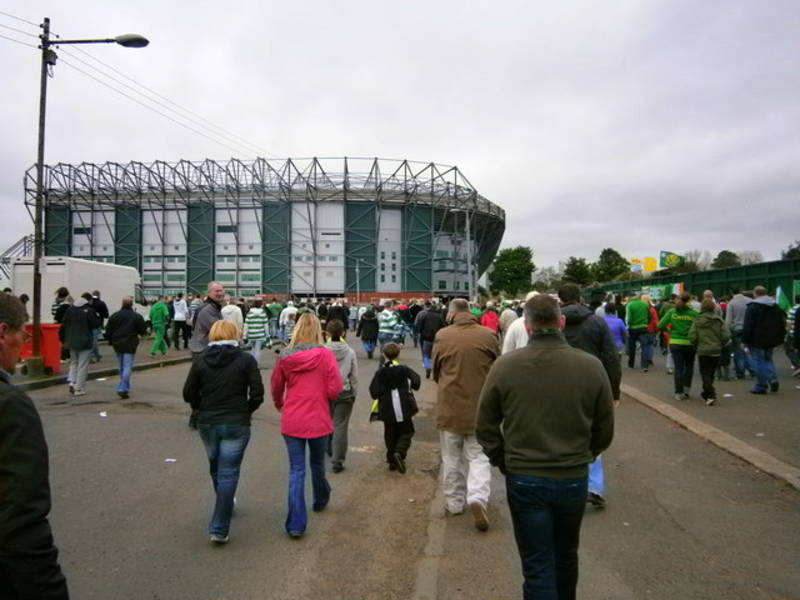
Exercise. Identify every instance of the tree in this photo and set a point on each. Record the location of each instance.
(577, 270)
(511, 271)
(696, 260)
(751, 257)
(793, 251)
(546, 280)
(609, 266)
(726, 258)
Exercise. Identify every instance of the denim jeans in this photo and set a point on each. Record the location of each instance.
(385, 338)
(256, 350)
(427, 350)
(597, 479)
(791, 351)
(225, 445)
(297, 519)
(547, 515)
(369, 345)
(683, 356)
(741, 362)
(761, 359)
(645, 341)
(125, 369)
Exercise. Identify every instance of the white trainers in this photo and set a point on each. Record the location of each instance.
(79, 393)
(219, 539)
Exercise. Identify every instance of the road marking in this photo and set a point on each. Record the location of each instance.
(427, 581)
(758, 458)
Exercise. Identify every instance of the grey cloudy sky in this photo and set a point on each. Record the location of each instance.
(640, 125)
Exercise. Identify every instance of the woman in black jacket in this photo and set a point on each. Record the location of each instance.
(224, 387)
(368, 331)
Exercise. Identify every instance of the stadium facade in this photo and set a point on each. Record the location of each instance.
(305, 227)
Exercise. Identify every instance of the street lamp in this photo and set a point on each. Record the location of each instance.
(129, 40)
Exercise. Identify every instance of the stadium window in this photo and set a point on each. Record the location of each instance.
(394, 255)
(442, 285)
(457, 286)
(383, 266)
(334, 259)
(226, 228)
(383, 278)
(394, 278)
(82, 230)
(383, 255)
(394, 266)
(176, 247)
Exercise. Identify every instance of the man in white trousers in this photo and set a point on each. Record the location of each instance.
(463, 353)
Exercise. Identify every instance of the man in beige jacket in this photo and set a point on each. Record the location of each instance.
(463, 353)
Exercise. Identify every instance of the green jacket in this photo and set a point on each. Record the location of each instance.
(159, 314)
(666, 306)
(637, 314)
(681, 321)
(709, 333)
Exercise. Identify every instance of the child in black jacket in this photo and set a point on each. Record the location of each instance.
(391, 387)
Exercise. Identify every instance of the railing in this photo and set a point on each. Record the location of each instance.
(23, 247)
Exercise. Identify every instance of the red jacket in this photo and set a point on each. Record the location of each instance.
(305, 381)
(491, 320)
(652, 326)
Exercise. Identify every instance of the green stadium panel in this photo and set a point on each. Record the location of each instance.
(127, 235)
(417, 247)
(57, 229)
(361, 239)
(276, 251)
(199, 246)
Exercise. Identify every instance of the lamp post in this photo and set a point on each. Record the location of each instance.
(129, 40)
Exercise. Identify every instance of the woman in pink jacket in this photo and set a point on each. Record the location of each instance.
(305, 381)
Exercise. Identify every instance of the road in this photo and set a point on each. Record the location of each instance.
(684, 519)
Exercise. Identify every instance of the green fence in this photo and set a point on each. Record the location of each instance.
(720, 281)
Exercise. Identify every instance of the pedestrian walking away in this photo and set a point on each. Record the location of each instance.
(304, 383)
(123, 330)
(367, 330)
(342, 406)
(77, 334)
(224, 388)
(255, 329)
(205, 317)
(764, 329)
(392, 387)
(709, 334)
(462, 356)
(29, 567)
(545, 413)
(159, 318)
(678, 321)
(101, 309)
(428, 323)
(180, 326)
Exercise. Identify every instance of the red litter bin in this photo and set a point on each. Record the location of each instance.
(51, 347)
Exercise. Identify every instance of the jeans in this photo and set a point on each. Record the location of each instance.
(741, 362)
(79, 368)
(547, 515)
(273, 327)
(385, 338)
(645, 341)
(369, 346)
(341, 408)
(225, 445)
(256, 350)
(761, 359)
(96, 333)
(427, 350)
(125, 369)
(708, 367)
(597, 479)
(791, 350)
(297, 519)
(683, 356)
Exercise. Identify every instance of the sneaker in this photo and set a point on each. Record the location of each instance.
(679, 397)
(644, 370)
(774, 386)
(596, 500)
(685, 395)
(399, 462)
(478, 510)
(79, 393)
(710, 400)
(296, 535)
(123, 395)
(759, 392)
(337, 467)
(392, 466)
(427, 373)
(219, 539)
(670, 371)
(71, 389)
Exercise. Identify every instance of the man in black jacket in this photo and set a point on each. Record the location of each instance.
(28, 559)
(426, 324)
(77, 334)
(123, 331)
(764, 329)
(102, 311)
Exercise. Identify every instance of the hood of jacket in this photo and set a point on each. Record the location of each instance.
(765, 300)
(575, 314)
(341, 350)
(302, 357)
(221, 354)
(707, 319)
(370, 315)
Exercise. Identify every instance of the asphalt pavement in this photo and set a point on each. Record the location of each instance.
(132, 496)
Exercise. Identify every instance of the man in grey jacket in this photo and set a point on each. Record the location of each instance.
(209, 313)
(734, 317)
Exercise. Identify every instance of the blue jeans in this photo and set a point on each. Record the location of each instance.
(683, 356)
(645, 341)
(125, 369)
(369, 345)
(385, 338)
(297, 519)
(547, 515)
(761, 359)
(427, 350)
(256, 348)
(273, 327)
(741, 362)
(225, 445)
(96, 333)
(597, 480)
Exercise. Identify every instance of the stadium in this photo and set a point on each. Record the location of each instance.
(317, 227)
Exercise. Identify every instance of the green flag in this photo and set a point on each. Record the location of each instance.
(669, 259)
(782, 299)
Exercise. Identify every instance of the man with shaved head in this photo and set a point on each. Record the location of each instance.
(209, 313)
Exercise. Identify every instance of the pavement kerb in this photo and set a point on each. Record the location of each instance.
(758, 458)
(38, 384)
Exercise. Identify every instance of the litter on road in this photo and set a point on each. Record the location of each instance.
(170, 460)
(103, 414)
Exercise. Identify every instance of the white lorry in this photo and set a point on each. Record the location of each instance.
(78, 275)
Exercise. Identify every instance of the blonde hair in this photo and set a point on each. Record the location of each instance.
(646, 298)
(307, 330)
(223, 330)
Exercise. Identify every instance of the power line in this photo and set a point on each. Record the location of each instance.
(223, 134)
(137, 101)
(22, 31)
(18, 42)
(221, 129)
(19, 18)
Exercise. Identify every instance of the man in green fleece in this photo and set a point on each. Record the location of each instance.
(544, 414)
(637, 316)
(159, 317)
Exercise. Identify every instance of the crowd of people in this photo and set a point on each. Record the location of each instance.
(528, 386)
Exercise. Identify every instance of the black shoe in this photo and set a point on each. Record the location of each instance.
(369, 354)
(759, 392)
(392, 466)
(337, 467)
(399, 462)
(774, 386)
(596, 500)
(123, 395)
(427, 373)
(296, 535)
